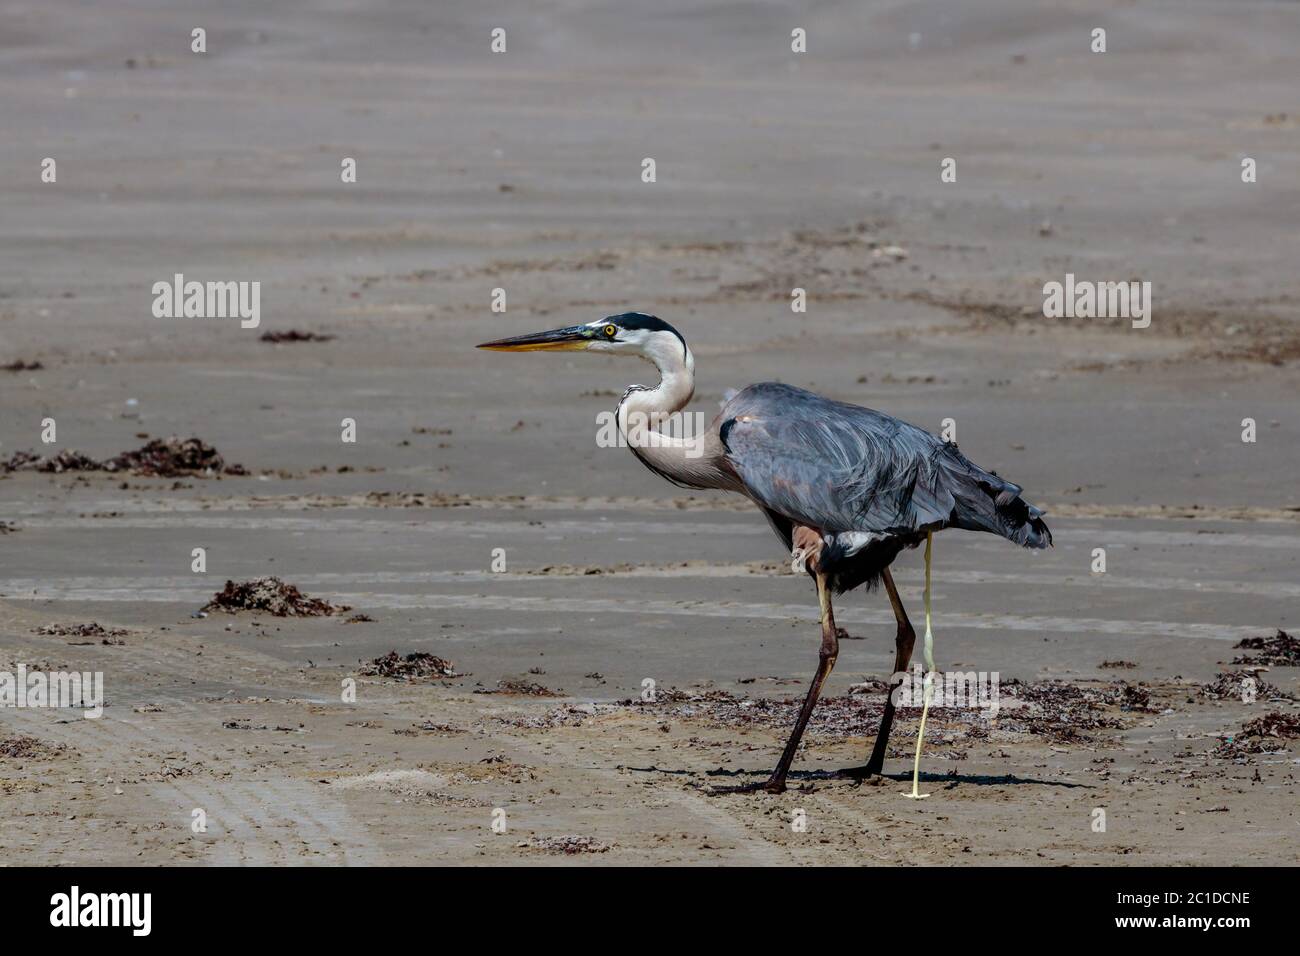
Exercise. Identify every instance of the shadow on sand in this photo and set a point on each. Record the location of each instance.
(804, 779)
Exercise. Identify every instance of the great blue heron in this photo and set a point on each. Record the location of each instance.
(845, 487)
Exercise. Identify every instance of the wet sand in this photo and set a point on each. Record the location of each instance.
(522, 171)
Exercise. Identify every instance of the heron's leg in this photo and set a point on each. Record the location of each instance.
(830, 649)
(903, 644)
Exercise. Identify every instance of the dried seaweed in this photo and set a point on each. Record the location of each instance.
(294, 335)
(517, 687)
(1263, 735)
(568, 845)
(1232, 686)
(270, 596)
(93, 629)
(1280, 649)
(853, 715)
(1061, 711)
(158, 458)
(27, 748)
(416, 666)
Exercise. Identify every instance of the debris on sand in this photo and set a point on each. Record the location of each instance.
(63, 461)
(568, 845)
(172, 458)
(1275, 724)
(26, 748)
(1117, 665)
(93, 629)
(1134, 698)
(245, 725)
(1279, 650)
(7, 527)
(18, 365)
(360, 619)
(159, 458)
(571, 716)
(1237, 685)
(272, 596)
(1061, 711)
(869, 685)
(1263, 735)
(520, 688)
(416, 666)
(429, 727)
(294, 335)
(835, 718)
(853, 715)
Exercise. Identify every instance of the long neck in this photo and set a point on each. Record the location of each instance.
(644, 412)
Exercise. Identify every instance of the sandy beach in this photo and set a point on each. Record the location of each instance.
(522, 171)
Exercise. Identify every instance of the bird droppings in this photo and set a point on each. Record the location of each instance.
(295, 335)
(272, 596)
(567, 845)
(159, 458)
(418, 665)
(1280, 649)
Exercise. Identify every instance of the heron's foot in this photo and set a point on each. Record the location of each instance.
(771, 785)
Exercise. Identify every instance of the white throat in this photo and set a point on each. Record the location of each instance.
(645, 409)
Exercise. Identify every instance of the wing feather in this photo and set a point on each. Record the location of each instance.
(833, 466)
(842, 468)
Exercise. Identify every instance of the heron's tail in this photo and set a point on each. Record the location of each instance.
(986, 502)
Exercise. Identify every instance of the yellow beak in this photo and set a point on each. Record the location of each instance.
(573, 339)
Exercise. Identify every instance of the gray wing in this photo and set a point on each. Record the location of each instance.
(840, 468)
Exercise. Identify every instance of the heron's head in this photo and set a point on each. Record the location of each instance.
(632, 333)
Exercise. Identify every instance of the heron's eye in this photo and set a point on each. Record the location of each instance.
(610, 331)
